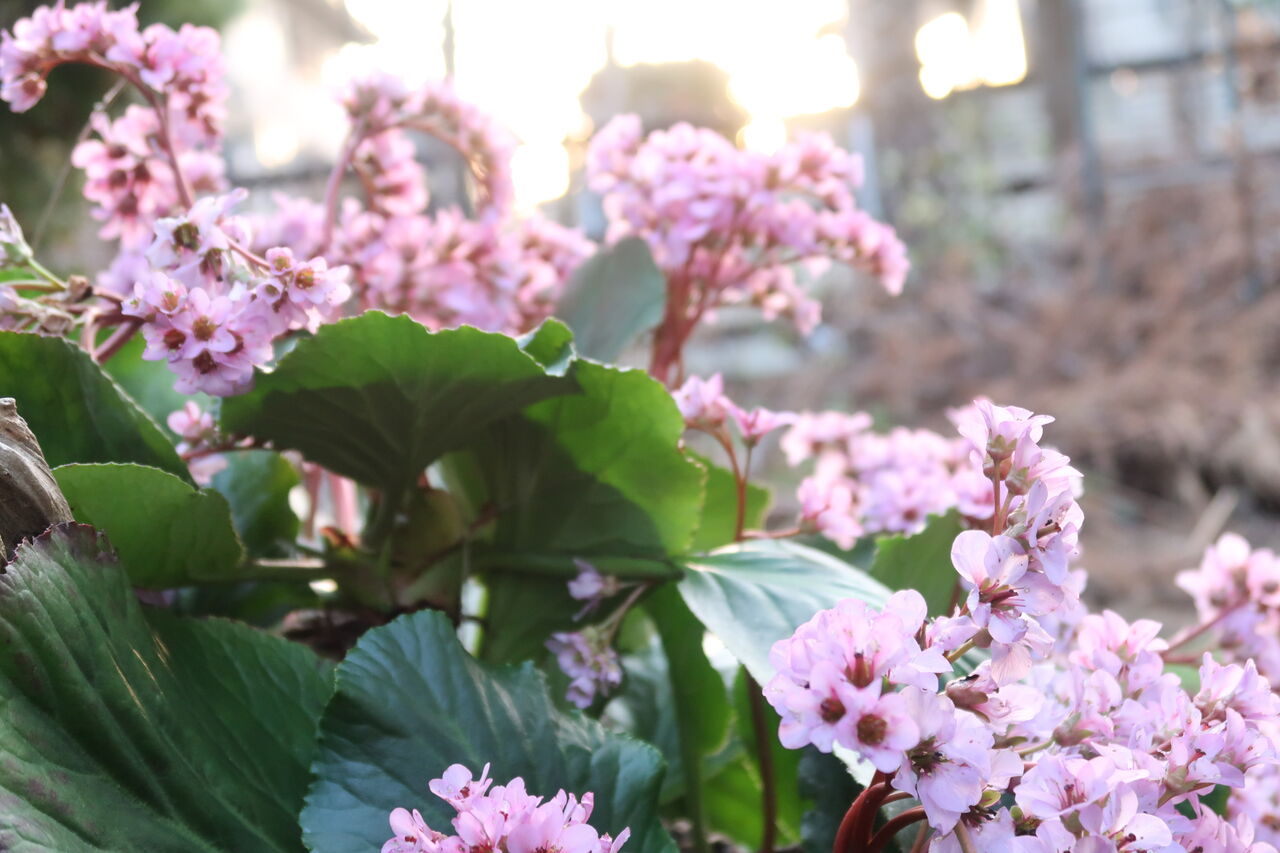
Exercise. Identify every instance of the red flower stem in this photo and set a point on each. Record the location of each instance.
(875, 795)
(894, 826)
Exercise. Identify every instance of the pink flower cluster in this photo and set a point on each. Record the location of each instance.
(1071, 736)
(866, 482)
(733, 226)
(503, 818)
(130, 179)
(130, 166)
(445, 270)
(212, 311)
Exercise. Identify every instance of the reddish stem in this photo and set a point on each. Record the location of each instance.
(855, 826)
(894, 826)
(354, 137)
(121, 336)
(1186, 636)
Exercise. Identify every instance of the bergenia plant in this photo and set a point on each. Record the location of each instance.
(311, 509)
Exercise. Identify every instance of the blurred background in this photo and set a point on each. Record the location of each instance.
(1089, 190)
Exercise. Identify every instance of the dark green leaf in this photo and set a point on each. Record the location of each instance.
(594, 475)
(130, 731)
(256, 483)
(75, 410)
(720, 508)
(613, 298)
(921, 561)
(379, 398)
(411, 701)
(525, 610)
(166, 532)
(754, 594)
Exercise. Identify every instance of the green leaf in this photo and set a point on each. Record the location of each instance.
(753, 594)
(125, 730)
(594, 475)
(256, 484)
(78, 413)
(701, 705)
(378, 398)
(167, 533)
(720, 507)
(921, 561)
(525, 610)
(410, 702)
(613, 298)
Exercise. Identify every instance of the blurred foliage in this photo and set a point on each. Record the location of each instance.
(35, 146)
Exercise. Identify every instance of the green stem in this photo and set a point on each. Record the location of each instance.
(47, 274)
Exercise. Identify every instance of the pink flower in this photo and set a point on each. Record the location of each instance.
(949, 768)
(756, 423)
(702, 402)
(882, 730)
(828, 506)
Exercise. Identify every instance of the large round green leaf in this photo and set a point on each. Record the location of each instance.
(166, 532)
(132, 730)
(597, 474)
(378, 398)
(78, 413)
(754, 594)
(411, 701)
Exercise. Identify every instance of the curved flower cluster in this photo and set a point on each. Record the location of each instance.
(1071, 736)
(129, 167)
(380, 103)
(732, 226)
(502, 818)
(212, 312)
(497, 272)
